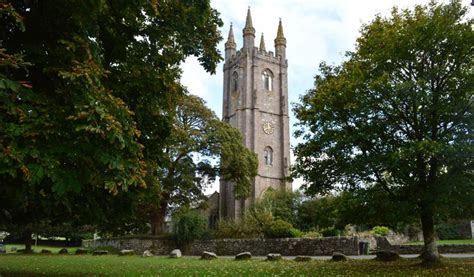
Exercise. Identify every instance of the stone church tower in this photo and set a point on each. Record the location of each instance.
(256, 102)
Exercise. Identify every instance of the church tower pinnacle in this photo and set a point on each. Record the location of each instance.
(230, 45)
(249, 32)
(262, 44)
(280, 42)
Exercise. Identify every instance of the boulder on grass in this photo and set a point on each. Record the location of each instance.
(100, 252)
(243, 256)
(63, 251)
(302, 258)
(208, 255)
(81, 251)
(176, 253)
(338, 257)
(274, 257)
(147, 253)
(386, 256)
(45, 251)
(126, 252)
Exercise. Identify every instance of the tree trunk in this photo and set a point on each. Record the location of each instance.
(430, 253)
(156, 222)
(157, 219)
(28, 241)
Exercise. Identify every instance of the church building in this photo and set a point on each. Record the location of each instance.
(255, 101)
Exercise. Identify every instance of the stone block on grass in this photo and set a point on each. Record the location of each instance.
(386, 256)
(81, 251)
(208, 255)
(274, 257)
(63, 251)
(302, 258)
(126, 252)
(100, 252)
(176, 253)
(45, 251)
(338, 257)
(243, 256)
(147, 253)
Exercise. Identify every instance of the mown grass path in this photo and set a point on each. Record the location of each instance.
(72, 265)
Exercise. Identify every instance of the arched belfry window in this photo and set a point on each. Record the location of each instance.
(268, 155)
(235, 81)
(267, 77)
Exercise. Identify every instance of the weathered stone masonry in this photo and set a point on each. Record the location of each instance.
(230, 247)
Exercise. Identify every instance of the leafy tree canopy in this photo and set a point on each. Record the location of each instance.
(198, 138)
(396, 117)
(88, 92)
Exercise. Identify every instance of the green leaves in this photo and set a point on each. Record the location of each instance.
(396, 116)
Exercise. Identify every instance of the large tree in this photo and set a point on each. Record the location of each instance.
(198, 138)
(397, 116)
(88, 93)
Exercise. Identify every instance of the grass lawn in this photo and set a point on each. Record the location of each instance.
(38, 248)
(441, 242)
(72, 265)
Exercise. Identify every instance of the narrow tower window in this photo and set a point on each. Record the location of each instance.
(268, 155)
(235, 81)
(267, 77)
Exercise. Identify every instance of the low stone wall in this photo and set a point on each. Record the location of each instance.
(158, 246)
(286, 247)
(259, 247)
(442, 249)
(382, 243)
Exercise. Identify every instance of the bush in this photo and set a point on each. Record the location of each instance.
(380, 231)
(330, 232)
(448, 231)
(295, 233)
(188, 226)
(279, 229)
(312, 234)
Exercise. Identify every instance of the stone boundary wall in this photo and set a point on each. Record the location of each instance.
(230, 247)
(382, 243)
(286, 247)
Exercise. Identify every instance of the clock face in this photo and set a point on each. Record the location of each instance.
(268, 127)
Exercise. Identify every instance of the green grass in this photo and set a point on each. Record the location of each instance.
(72, 265)
(38, 248)
(441, 242)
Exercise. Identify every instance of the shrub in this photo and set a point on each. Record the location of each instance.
(312, 234)
(279, 229)
(448, 231)
(188, 226)
(295, 233)
(380, 231)
(330, 232)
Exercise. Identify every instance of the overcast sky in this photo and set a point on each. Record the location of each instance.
(316, 31)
